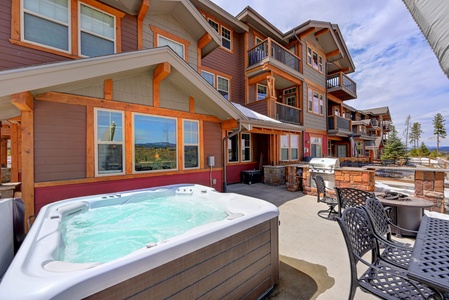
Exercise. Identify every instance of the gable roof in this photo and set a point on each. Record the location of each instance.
(47, 77)
(379, 111)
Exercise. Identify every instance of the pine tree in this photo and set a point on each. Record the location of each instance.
(415, 134)
(439, 129)
(394, 148)
(423, 150)
(408, 121)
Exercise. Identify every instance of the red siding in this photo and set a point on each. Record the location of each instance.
(46, 195)
(213, 144)
(129, 33)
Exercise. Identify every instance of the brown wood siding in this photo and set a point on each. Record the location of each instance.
(59, 141)
(231, 64)
(241, 266)
(129, 33)
(14, 56)
(213, 144)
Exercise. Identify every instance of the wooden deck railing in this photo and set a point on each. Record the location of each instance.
(336, 122)
(286, 113)
(341, 80)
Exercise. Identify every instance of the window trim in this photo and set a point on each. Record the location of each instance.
(228, 141)
(213, 75)
(229, 87)
(220, 32)
(157, 31)
(313, 101)
(175, 42)
(96, 142)
(243, 146)
(319, 64)
(184, 144)
(133, 138)
(17, 29)
(222, 37)
(257, 91)
(216, 75)
(288, 139)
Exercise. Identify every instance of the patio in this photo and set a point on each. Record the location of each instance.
(314, 262)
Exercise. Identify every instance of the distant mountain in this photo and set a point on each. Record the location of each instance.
(443, 149)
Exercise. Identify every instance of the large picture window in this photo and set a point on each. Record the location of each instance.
(109, 150)
(246, 147)
(191, 144)
(155, 146)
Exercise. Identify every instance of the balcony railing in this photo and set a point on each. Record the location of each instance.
(343, 85)
(270, 48)
(287, 113)
(336, 122)
(370, 143)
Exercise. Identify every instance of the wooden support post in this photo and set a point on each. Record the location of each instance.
(140, 17)
(159, 74)
(108, 89)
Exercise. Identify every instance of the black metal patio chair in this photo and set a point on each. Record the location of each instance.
(350, 197)
(382, 222)
(380, 278)
(323, 197)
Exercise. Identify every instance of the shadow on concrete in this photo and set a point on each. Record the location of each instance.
(300, 280)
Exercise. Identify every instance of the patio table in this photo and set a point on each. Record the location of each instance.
(430, 258)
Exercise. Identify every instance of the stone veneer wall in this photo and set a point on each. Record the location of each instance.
(357, 178)
(430, 185)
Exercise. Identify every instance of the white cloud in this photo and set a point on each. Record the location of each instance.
(395, 66)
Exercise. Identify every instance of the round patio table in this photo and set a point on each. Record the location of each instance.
(408, 212)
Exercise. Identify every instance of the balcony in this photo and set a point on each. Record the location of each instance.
(272, 50)
(288, 114)
(339, 126)
(341, 86)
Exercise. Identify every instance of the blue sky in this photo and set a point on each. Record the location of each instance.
(395, 65)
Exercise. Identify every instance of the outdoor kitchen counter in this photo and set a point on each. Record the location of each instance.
(408, 213)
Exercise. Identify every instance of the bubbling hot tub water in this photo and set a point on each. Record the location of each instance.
(107, 233)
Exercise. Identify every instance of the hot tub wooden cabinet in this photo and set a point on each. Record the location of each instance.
(242, 266)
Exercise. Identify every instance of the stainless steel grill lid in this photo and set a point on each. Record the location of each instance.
(324, 164)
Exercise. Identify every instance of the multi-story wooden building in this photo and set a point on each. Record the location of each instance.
(101, 96)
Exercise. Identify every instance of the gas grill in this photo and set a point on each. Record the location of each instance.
(324, 165)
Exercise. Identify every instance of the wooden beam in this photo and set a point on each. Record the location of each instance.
(191, 105)
(140, 17)
(129, 147)
(23, 101)
(159, 74)
(321, 32)
(108, 89)
(332, 53)
(15, 156)
(307, 32)
(90, 142)
(27, 185)
(259, 78)
(204, 40)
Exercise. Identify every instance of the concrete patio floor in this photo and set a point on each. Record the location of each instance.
(314, 261)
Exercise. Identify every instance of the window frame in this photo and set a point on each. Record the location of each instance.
(315, 102)
(184, 143)
(318, 65)
(210, 73)
(176, 141)
(220, 33)
(259, 94)
(173, 41)
(18, 29)
(233, 141)
(286, 146)
(317, 141)
(80, 30)
(227, 39)
(228, 85)
(244, 146)
(97, 142)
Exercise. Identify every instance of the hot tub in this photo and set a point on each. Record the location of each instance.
(235, 257)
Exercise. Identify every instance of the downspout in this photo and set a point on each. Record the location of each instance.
(233, 133)
(302, 111)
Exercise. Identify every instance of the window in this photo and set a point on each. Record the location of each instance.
(314, 60)
(209, 77)
(315, 102)
(110, 147)
(97, 32)
(223, 86)
(155, 145)
(246, 147)
(316, 147)
(225, 33)
(284, 147)
(258, 40)
(341, 151)
(294, 147)
(177, 47)
(191, 144)
(48, 24)
(290, 96)
(261, 91)
(289, 147)
(214, 25)
(226, 38)
(233, 148)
